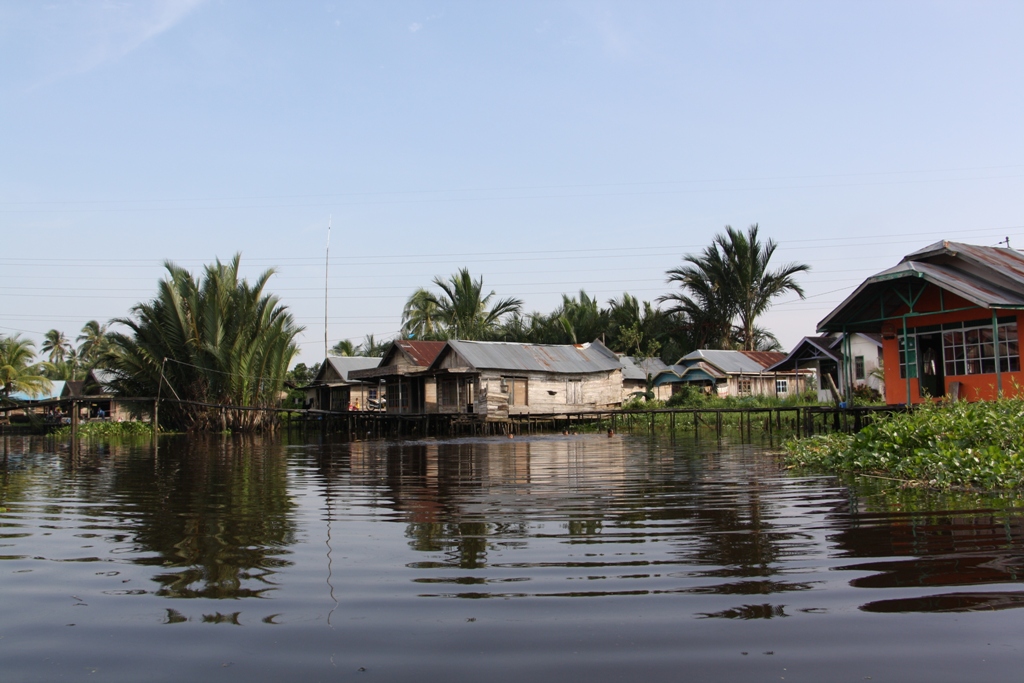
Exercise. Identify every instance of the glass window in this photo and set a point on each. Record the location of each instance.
(972, 351)
(858, 367)
(782, 385)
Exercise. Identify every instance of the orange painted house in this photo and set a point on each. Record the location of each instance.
(949, 317)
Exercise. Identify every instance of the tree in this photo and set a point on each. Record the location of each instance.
(752, 285)
(463, 309)
(56, 346)
(730, 281)
(371, 348)
(18, 370)
(93, 342)
(420, 317)
(210, 340)
(343, 348)
(705, 302)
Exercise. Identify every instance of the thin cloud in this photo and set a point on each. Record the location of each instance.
(414, 27)
(109, 31)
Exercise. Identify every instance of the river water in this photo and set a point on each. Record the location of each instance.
(547, 558)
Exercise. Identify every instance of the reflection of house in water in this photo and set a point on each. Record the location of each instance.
(936, 551)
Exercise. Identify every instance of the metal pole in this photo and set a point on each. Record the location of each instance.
(995, 346)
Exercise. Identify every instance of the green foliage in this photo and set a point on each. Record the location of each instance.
(215, 339)
(108, 430)
(731, 281)
(865, 395)
(461, 311)
(18, 370)
(941, 445)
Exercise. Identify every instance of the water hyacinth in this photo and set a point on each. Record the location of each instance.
(942, 445)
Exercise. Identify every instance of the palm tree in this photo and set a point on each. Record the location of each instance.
(18, 371)
(93, 342)
(705, 302)
(753, 286)
(463, 309)
(56, 346)
(581, 320)
(343, 348)
(371, 348)
(730, 280)
(214, 340)
(420, 316)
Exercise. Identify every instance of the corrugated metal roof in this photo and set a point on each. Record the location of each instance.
(55, 390)
(423, 353)
(346, 364)
(731, 362)
(637, 369)
(569, 359)
(809, 348)
(989, 277)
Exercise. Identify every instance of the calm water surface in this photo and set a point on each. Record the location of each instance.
(540, 558)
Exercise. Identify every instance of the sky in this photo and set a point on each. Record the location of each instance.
(549, 147)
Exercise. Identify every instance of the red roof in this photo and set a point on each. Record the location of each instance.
(422, 353)
(764, 358)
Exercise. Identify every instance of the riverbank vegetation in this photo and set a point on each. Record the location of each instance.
(214, 339)
(108, 430)
(941, 445)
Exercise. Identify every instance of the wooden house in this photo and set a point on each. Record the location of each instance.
(497, 379)
(333, 389)
(823, 355)
(402, 379)
(635, 373)
(734, 373)
(948, 316)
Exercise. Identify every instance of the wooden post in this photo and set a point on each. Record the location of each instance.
(74, 423)
(156, 422)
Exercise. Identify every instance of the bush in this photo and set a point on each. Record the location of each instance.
(944, 444)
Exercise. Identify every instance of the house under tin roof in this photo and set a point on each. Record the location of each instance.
(513, 356)
(987, 277)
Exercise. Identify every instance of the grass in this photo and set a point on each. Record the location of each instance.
(942, 445)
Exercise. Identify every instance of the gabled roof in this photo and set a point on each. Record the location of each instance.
(636, 369)
(988, 277)
(516, 357)
(343, 365)
(734, 362)
(422, 353)
(809, 349)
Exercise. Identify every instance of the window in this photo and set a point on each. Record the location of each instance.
(449, 392)
(858, 367)
(517, 389)
(972, 349)
(908, 356)
(746, 386)
(781, 386)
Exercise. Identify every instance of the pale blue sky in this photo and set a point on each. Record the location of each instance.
(548, 146)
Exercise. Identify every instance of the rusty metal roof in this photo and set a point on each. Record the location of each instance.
(515, 357)
(988, 277)
(422, 353)
(733, 362)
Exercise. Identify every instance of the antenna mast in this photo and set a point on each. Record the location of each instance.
(327, 264)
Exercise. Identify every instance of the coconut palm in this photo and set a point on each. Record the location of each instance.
(56, 346)
(420, 316)
(210, 340)
(342, 348)
(93, 342)
(463, 309)
(372, 348)
(18, 370)
(752, 285)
